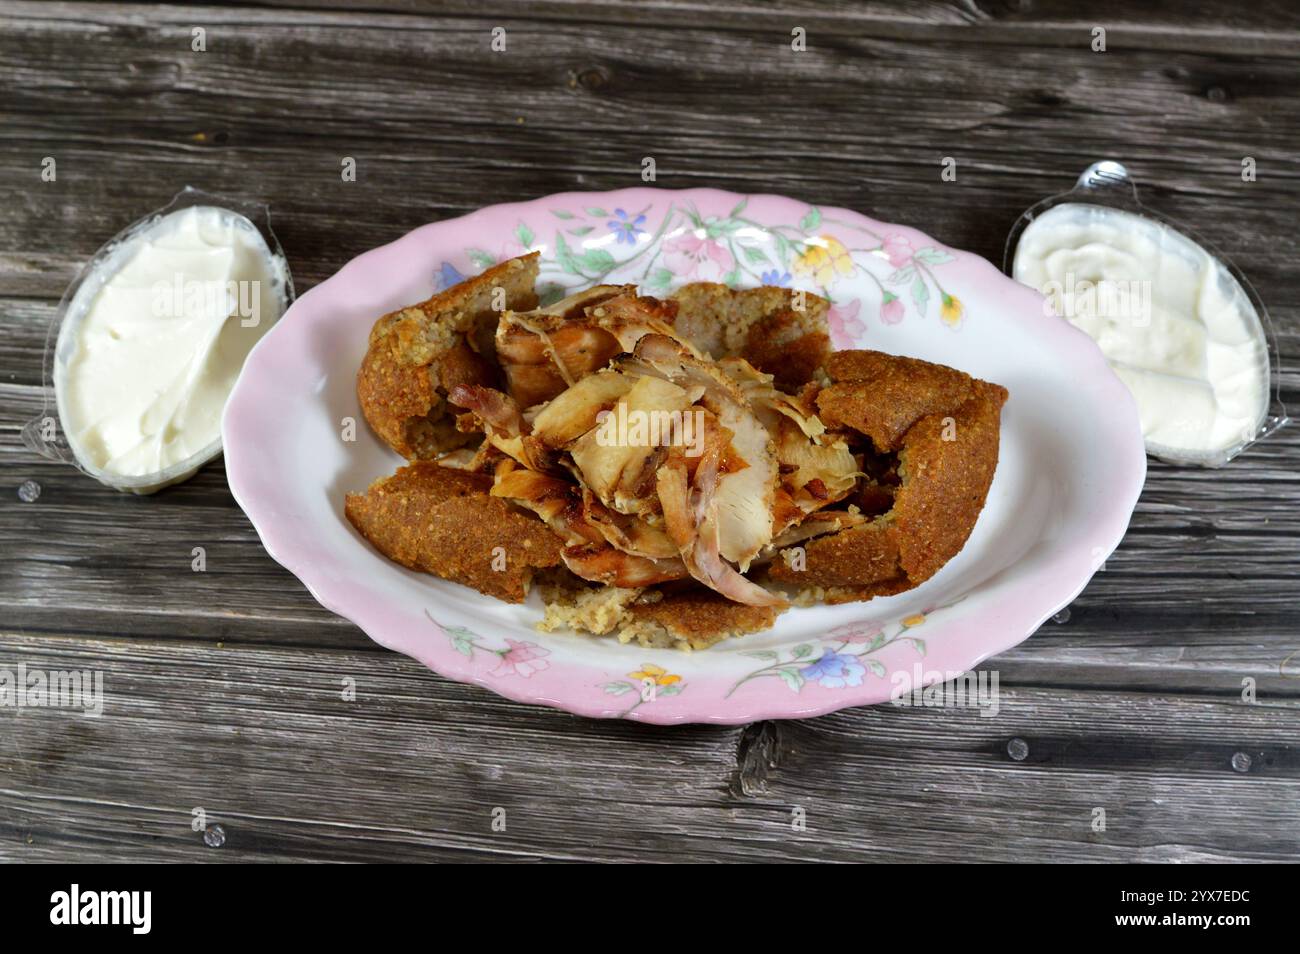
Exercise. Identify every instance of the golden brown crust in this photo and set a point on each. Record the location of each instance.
(701, 617)
(860, 594)
(392, 395)
(443, 521)
(883, 395)
(417, 354)
(859, 556)
(945, 481)
(780, 331)
(946, 463)
(789, 346)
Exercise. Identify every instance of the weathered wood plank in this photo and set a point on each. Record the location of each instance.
(224, 685)
(1214, 28)
(706, 109)
(262, 741)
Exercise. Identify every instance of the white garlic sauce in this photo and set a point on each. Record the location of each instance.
(157, 336)
(1171, 319)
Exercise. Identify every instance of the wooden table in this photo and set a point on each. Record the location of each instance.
(224, 686)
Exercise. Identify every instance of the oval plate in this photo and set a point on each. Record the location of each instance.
(1071, 466)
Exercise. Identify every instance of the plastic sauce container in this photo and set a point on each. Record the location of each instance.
(150, 337)
(1178, 322)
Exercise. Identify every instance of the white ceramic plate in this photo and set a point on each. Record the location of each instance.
(1071, 466)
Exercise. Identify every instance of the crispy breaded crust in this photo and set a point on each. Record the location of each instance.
(945, 482)
(859, 556)
(442, 521)
(860, 594)
(417, 354)
(392, 394)
(811, 596)
(789, 346)
(944, 485)
(697, 617)
(883, 395)
(760, 325)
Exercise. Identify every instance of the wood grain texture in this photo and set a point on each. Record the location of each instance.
(260, 739)
(224, 686)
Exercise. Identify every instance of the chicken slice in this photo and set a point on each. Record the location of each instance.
(556, 501)
(603, 564)
(575, 411)
(506, 427)
(618, 458)
(699, 545)
(740, 512)
(816, 469)
(582, 520)
(549, 349)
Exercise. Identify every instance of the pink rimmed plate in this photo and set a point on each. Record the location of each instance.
(1071, 467)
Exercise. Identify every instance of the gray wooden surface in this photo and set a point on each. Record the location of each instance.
(225, 685)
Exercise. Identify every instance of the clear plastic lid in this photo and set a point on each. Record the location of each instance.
(46, 434)
(1106, 185)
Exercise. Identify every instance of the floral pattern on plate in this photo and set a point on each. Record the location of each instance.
(840, 660)
(517, 657)
(681, 244)
(648, 683)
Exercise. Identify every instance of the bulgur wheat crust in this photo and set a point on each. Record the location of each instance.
(696, 617)
(417, 354)
(765, 326)
(883, 395)
(442, 521)
(946, 461)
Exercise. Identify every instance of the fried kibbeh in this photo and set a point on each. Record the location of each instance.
(780, 331)
(754, 468)
(945, 463)
(444, 521)
(416, 355)
(694, 617)
(945, 482)
(676, 615)
(883, 395)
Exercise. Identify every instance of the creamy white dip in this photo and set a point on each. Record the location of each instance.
(158, 334)
(1173, 322)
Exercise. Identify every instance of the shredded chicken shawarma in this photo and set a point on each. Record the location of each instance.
(672, 462)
